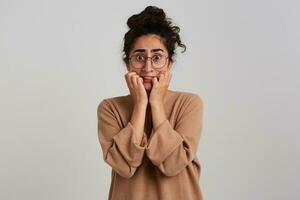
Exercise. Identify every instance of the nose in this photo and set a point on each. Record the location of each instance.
(148, 65)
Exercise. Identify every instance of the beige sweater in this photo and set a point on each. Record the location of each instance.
(165, 166)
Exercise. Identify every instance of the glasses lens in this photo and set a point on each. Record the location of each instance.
(158, 61)
(139, 60)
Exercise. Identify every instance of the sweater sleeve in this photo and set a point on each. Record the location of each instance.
(172, 149)
(119, 144)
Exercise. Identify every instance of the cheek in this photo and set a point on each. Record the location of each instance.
(136, 71)
(161, 71)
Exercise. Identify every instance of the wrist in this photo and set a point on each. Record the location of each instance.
(156, 104)
(140, 105)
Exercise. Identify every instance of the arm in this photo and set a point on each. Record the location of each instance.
(123, 147)
(172, 149)
(138, 120)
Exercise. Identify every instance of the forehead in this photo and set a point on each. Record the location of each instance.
(149, 43)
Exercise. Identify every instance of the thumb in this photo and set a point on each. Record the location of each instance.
(154, 80)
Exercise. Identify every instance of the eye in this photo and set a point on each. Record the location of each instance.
(156, 58)
(139, 57)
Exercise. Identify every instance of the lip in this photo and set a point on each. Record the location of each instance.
(147, 77)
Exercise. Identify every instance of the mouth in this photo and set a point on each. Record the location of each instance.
(147, 78)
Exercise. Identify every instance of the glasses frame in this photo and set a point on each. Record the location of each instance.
(146, 59)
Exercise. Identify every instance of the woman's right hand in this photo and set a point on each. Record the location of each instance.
(136, 88)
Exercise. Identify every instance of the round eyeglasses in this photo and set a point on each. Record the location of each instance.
(139, 60)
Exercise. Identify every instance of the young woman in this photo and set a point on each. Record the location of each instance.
(150, 137)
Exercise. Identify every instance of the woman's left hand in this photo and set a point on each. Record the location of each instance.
(160, 87)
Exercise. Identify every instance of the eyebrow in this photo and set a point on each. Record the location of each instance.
(143, 50)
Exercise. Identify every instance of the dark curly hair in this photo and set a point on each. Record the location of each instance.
(152, 20)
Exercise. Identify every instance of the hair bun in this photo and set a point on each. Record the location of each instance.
(152, 20)
(150, 16)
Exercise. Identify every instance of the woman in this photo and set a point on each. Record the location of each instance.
(150, 137)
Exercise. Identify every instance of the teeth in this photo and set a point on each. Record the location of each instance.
(147, 77)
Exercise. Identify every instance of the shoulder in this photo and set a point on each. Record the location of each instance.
(115, 102)
(188, 98)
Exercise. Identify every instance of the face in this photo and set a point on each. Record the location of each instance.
(149, 45)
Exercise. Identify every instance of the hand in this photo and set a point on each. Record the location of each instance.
(160, 88)
(136, 88)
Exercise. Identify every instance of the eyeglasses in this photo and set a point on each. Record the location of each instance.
(139, 60)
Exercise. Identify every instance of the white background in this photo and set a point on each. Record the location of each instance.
(60, 58)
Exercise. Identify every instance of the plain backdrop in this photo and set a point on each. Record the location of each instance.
(60, 58)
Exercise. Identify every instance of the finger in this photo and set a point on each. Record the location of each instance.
(131, 73)
(134, 80)
(140, 82)
(161, 77)
(154, 81)
(165, 80)
(129, 78)
(166, 76)
(126, 76)
(137, 77)
(137, 80)
(128, 81)
(169, 72)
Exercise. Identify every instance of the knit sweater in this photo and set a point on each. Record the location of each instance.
(165, 165)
